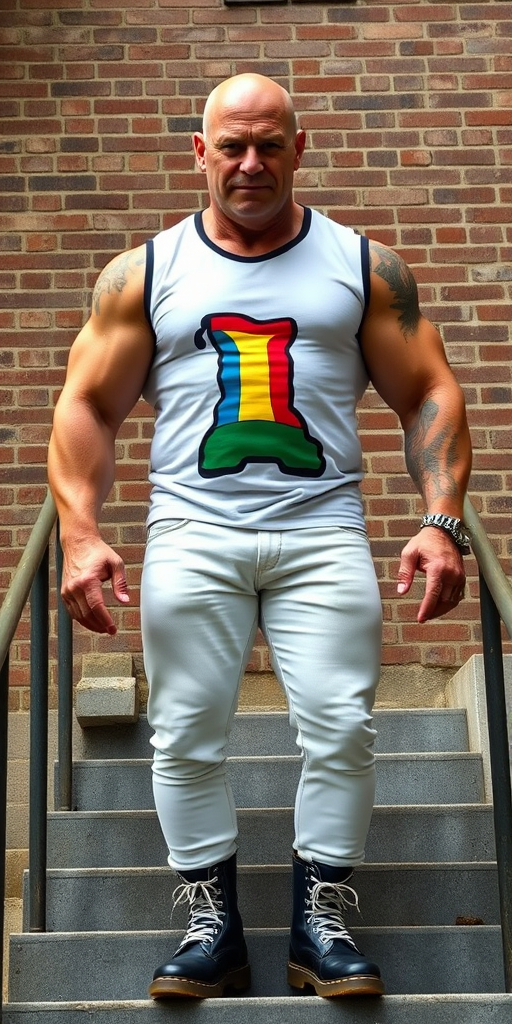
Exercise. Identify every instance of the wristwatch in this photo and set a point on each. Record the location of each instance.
(453, 527)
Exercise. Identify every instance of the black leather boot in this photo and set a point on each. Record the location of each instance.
(212, 956)
(322, 952)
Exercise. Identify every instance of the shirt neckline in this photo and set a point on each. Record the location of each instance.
(305, 226)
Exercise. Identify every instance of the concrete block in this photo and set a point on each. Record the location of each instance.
(18, 735)
(13, 910)
(97, 666)
(104, 700)
(16, 863)
(412, 686)
(467, 690)
(18, 782)
(17, 826)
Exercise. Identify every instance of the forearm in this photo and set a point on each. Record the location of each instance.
(438, 451)
(81, 466)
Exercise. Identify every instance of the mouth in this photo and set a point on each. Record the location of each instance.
(249, 187)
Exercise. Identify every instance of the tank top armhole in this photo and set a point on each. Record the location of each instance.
(365, 275)
(148, 283)
(365, 270)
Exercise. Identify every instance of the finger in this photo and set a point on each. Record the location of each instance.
(406, 571)
(87, 620)
(445, 603)
(454, 592)
(432, 598)
(71, 607)
(86, 605)
(95, 610)
(119, 585)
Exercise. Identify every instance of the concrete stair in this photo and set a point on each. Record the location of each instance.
(429, 877)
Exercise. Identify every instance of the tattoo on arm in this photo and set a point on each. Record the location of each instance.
(430, 462)
(114, 277)
(397, 275)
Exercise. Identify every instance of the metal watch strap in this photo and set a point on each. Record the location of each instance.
(452, 526)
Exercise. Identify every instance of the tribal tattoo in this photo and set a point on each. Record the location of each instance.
(397, 275)
(430, 463)
(114, 277)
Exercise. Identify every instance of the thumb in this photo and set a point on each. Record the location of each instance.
(119, 584)
(407, 568)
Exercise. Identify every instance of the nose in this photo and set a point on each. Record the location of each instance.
(251, 163)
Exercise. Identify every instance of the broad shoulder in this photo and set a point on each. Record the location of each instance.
(121, 281)
(393, 289)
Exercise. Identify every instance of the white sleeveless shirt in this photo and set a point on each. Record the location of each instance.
(255, 378)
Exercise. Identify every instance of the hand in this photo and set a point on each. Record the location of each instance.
(432, 552)
(88, 564)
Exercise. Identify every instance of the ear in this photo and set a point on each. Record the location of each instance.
(300, 145)
(199, 150)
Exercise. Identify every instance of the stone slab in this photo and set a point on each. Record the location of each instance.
(106, 700)
(119, 965)
(411, 1009)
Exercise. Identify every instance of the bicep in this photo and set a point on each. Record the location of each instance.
(110, 359)
(406, 373)
(107, 371)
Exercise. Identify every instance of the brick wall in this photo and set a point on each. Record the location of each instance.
(408, 109)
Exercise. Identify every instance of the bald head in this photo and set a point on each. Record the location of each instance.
(249, 92)
(250, 149)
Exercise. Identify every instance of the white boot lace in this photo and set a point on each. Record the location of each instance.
(326, 906)
(205, 910)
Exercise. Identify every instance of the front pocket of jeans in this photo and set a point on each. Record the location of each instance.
(165, 526)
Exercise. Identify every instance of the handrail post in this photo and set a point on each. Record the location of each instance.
(4, 710)
(65, 690)
(39, 624)
(500, 765)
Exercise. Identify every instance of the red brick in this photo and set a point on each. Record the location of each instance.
(390, 197)
(416, 158)
(42, 242)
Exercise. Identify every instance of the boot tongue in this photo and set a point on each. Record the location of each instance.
(333, 874)
(200, 875)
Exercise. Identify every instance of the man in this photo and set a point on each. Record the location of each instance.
(253, 329)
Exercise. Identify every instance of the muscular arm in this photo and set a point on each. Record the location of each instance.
(107, 367)
(407, 364)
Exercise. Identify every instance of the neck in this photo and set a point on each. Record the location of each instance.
(248, 241)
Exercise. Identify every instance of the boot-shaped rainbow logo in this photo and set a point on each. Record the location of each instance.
(255, 419)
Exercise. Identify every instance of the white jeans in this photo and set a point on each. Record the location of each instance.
(314, 592)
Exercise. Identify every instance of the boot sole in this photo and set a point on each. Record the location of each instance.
(352, 985)
(168, 988)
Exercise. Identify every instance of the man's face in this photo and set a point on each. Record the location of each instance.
(250, 154)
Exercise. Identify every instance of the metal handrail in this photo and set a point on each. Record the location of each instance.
(496, 607)
(17, 595)
(499, 586)
(33, 558)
